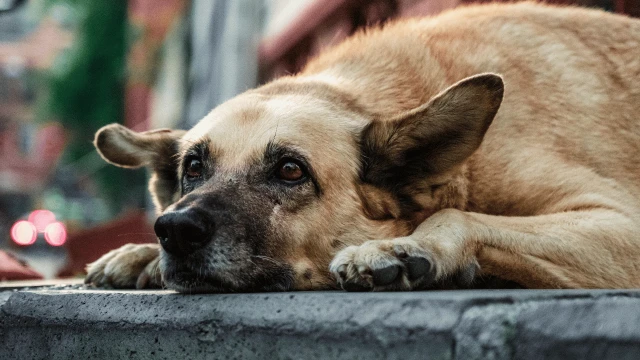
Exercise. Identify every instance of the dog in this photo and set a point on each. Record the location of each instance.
(491, 141)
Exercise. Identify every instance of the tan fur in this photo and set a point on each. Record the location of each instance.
(133, 265)
(551, 198)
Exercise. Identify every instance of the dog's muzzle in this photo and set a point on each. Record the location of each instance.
(210, 245)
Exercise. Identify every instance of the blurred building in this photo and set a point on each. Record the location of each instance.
(290, 42)
(28, 151)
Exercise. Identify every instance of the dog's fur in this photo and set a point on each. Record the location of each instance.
(413, 181)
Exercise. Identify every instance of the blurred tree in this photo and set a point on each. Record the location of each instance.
(84, 90)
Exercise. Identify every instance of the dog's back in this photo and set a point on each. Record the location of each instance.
(571, 103)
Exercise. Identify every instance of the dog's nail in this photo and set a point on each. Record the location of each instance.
(417, 267)
(386, 276)
(364, 270)
(143, 280)
(342, 271)
(400, 252)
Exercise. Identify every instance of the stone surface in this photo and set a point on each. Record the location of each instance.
(60, 323)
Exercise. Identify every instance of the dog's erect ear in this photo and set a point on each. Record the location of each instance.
(155, 149)
(432, 138)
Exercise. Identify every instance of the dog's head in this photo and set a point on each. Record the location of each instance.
(263, 192)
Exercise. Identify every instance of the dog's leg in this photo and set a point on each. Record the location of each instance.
(131, 266)
(593, 248)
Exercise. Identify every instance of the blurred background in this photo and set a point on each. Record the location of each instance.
(68, 67)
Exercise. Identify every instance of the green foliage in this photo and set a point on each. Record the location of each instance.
(85, 88)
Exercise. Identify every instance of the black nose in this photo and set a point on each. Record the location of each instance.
(183, 232)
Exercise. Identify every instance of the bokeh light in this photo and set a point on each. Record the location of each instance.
(55, 234)
(24, 233)
(41, 219)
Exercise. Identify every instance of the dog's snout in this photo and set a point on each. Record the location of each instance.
(183, 232)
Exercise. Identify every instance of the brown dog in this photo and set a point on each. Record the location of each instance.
(386, 164)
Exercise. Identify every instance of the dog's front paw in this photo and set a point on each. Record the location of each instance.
(398, 264)
(383, 265)
(131, 266)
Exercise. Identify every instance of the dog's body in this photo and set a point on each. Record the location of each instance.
(547, 196)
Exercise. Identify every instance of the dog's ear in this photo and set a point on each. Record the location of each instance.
(155, 149)
(432, 138)
(127, 148)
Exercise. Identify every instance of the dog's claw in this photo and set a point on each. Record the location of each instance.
(364, 271)
(88, 279)
(342, 271)
(400, 251)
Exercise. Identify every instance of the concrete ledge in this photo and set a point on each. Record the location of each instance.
(513, 324)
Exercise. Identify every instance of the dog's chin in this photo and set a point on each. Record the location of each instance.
(190, 283)
(187, 281)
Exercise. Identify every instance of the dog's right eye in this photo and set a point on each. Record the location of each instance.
(193, 169)
(290, 171)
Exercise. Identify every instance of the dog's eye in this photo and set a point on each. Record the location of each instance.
(194, 168)
(290, 170)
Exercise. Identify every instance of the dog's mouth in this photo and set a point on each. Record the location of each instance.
(184, 278)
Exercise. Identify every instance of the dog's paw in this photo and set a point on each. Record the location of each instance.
(383, 265)
(397, 264)
(131, 266)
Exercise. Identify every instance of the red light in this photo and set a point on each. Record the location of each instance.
(55, 234)
(24, 233)
(41, 219)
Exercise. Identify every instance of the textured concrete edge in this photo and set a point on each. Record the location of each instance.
(602, 326)
(457, 324)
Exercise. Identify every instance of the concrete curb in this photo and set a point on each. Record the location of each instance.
(509, 324)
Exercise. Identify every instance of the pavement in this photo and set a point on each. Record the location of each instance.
(74, 322)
